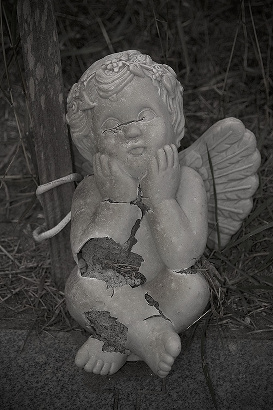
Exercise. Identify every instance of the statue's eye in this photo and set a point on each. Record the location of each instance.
(111, 124)
(146, 115)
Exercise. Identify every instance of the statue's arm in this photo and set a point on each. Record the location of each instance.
(94, 218)
(179, 225)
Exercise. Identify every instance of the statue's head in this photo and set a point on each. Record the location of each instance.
(123, 81)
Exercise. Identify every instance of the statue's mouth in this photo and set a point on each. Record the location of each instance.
(137, 151)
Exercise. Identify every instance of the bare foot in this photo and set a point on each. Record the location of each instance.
(155, 341)
(93, 359)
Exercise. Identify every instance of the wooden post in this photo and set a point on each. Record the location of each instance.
(45, 98)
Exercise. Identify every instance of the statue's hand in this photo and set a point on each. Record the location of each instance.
(163, 176)
(112, 181)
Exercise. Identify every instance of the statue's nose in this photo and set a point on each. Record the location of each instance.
(132, 131)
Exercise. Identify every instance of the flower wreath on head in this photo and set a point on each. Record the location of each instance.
(121, 67)
(78, 99)
(136, 64)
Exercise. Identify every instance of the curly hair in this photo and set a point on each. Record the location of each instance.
(106, 78)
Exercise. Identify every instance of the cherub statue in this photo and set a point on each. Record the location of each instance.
(141, 222)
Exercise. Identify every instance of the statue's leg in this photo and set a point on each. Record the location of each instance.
(122, 320)
(84, 295)
(181, 296)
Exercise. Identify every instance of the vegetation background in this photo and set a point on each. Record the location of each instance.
(222, 53)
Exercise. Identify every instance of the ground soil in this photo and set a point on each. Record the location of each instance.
(221, 53)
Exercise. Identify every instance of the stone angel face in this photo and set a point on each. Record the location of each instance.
(127, 106)
(133, 129)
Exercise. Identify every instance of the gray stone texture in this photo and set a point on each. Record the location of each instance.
(38, 372)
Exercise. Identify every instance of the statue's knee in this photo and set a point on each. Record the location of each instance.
(84, 294)
(191, 288)
(200, 288)
(194, 283)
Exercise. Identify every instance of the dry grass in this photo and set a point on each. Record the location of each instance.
(221, 52)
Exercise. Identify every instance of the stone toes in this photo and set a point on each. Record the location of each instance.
(79, 361)
(173, 346)
(162, 373)
(164, 366)
(89, 365)
(113, 368)
(81, 358)
(106, 369)
(166, 358)
(98, 366)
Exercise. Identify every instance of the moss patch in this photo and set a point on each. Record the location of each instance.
(105, 328)
(111, 262)
(152, 302)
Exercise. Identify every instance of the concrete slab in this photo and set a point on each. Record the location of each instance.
(41, 375)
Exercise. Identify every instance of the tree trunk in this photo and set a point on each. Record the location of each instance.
(45, 98)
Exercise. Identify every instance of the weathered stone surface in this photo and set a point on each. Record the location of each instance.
(107, 328)
(43, 376)
(111, 262)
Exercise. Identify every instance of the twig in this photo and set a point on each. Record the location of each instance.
(9, 255)
(105, 35)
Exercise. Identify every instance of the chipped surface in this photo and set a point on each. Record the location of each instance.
(116, 264)
(111, 262)
(196, 268)
(105, 328)
(201, 266)
(152, 302)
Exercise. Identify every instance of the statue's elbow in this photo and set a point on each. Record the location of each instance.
(190, 252)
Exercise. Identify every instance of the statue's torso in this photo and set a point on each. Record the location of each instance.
(145, 247)
(87, 198)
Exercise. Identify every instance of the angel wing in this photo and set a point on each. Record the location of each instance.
(227, 159)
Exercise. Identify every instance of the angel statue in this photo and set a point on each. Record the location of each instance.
(141, 222)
